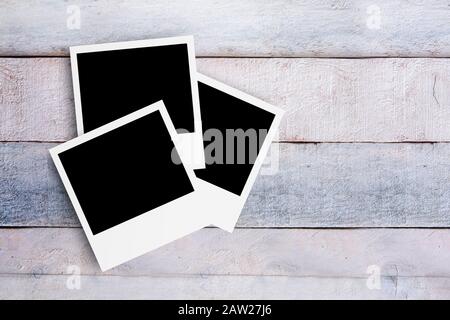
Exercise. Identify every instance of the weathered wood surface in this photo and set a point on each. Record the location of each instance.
(36, 100)
(234, 28)
(256, 264)
(334, 100)
(245, 252)
(220, 287)
(317, 185)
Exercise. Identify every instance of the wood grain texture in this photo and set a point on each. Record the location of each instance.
(36, 100)
(220, 287)
(316, 185)
(326, 100)
(347, 100)
(246, 252)
(310, 28)
(255, 264)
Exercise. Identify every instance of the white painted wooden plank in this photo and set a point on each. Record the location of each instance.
(316, 253)
(36, 100)
(348, 100)
(316, 185)
(233, 28)
(219, 287)
(334, 100)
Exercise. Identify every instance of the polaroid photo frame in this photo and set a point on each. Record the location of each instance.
(111, 80)
(225, 185)
(127, 193)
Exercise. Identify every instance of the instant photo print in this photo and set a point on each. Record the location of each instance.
(114, 79)
(237, 131)
(128, 187)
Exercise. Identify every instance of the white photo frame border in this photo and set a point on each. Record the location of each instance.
(148, 230)
(226, 216)
(191, 143)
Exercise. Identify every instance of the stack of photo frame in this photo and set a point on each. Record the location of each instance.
(162, 151)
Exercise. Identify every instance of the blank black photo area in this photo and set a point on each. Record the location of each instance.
(117, 82)
(227, 114)
(125, 172)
